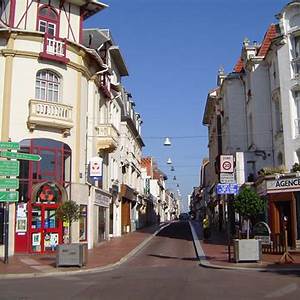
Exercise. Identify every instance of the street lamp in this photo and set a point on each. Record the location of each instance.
(167, 142)
(169, 161)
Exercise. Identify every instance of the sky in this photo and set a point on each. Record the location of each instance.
(173, 50)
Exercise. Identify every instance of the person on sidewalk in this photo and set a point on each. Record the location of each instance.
(206, 230)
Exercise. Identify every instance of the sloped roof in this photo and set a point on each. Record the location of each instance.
(239, 66)
(269, 36)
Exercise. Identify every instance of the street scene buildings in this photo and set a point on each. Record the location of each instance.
(252, 115)
(74, 114)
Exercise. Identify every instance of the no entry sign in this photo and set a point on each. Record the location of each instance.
(226, 164)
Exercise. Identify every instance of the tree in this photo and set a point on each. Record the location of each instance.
(68, 211)
(248, 204)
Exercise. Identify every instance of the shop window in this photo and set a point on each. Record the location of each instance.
(47, 86)
(83, 223)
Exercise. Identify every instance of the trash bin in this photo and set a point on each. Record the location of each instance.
(71, 255)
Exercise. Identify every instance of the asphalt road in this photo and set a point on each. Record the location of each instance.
(166, 268)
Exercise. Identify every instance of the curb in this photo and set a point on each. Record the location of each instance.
(206, 264)
(106, 268)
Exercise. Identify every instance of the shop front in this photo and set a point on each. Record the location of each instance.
(283, 203)
(102, 202)
(44, 185)
(128, 196)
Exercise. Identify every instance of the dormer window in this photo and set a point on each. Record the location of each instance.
(48, 21)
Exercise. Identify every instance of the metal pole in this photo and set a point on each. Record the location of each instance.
(5, 231)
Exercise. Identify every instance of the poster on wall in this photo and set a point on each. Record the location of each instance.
(36, 239)
(21, 225)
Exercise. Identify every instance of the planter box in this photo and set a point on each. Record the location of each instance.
(71, 255)
(247, 250)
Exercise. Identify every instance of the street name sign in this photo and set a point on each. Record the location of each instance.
(227, 178)
(22, 156)
(9, 168)
(9, 183)
(227, 188)
(9, 196)
(9, 145)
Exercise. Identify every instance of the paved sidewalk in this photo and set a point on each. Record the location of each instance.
(106, 256)
(213, 253)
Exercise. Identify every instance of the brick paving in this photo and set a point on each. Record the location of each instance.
(106, 253)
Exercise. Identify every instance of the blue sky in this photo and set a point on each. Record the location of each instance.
(173, 50)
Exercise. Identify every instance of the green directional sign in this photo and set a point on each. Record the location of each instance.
(9, 183)
(18, 155)
(6, 196)
(9, 145)
(9, 168)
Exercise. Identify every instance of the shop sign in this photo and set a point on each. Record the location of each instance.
(96, 167)
(287, 184)
(226, 163)
(227, 178)
(261, 231)
(101, 199)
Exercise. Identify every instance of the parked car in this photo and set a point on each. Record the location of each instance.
(184, 216)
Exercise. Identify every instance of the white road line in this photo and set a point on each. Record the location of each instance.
(288, 289)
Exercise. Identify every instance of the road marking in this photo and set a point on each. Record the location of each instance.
(283, 291)
(199, 250)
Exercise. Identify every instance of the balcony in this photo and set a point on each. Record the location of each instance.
(54, 49)
(107, 137)
(51, 115)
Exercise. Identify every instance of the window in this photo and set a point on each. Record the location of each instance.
(296, 60)
(83, 223)
(48, 20)
(47, 86)
(297, 105)
(278, 117)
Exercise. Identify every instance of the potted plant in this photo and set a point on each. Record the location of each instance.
(72, 253)
(249, 205)
(68, 212)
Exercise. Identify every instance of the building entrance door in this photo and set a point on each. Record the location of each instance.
(284, 210)
(45, 228)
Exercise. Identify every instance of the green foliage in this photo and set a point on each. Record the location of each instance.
(68, 211)
(295, 168)
(248, 203)
(272, 170)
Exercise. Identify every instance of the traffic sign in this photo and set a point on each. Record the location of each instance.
(9, 183)
(18, 155)
(9, 145)
(227, 178)
(227, 188)
(9, 168)
(226, 163)
(11, 196)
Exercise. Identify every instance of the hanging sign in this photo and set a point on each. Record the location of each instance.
(96, 167)
(226, 163)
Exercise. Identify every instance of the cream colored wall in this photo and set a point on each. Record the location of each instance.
(74, 21)
(2, 67)
(30, 21)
